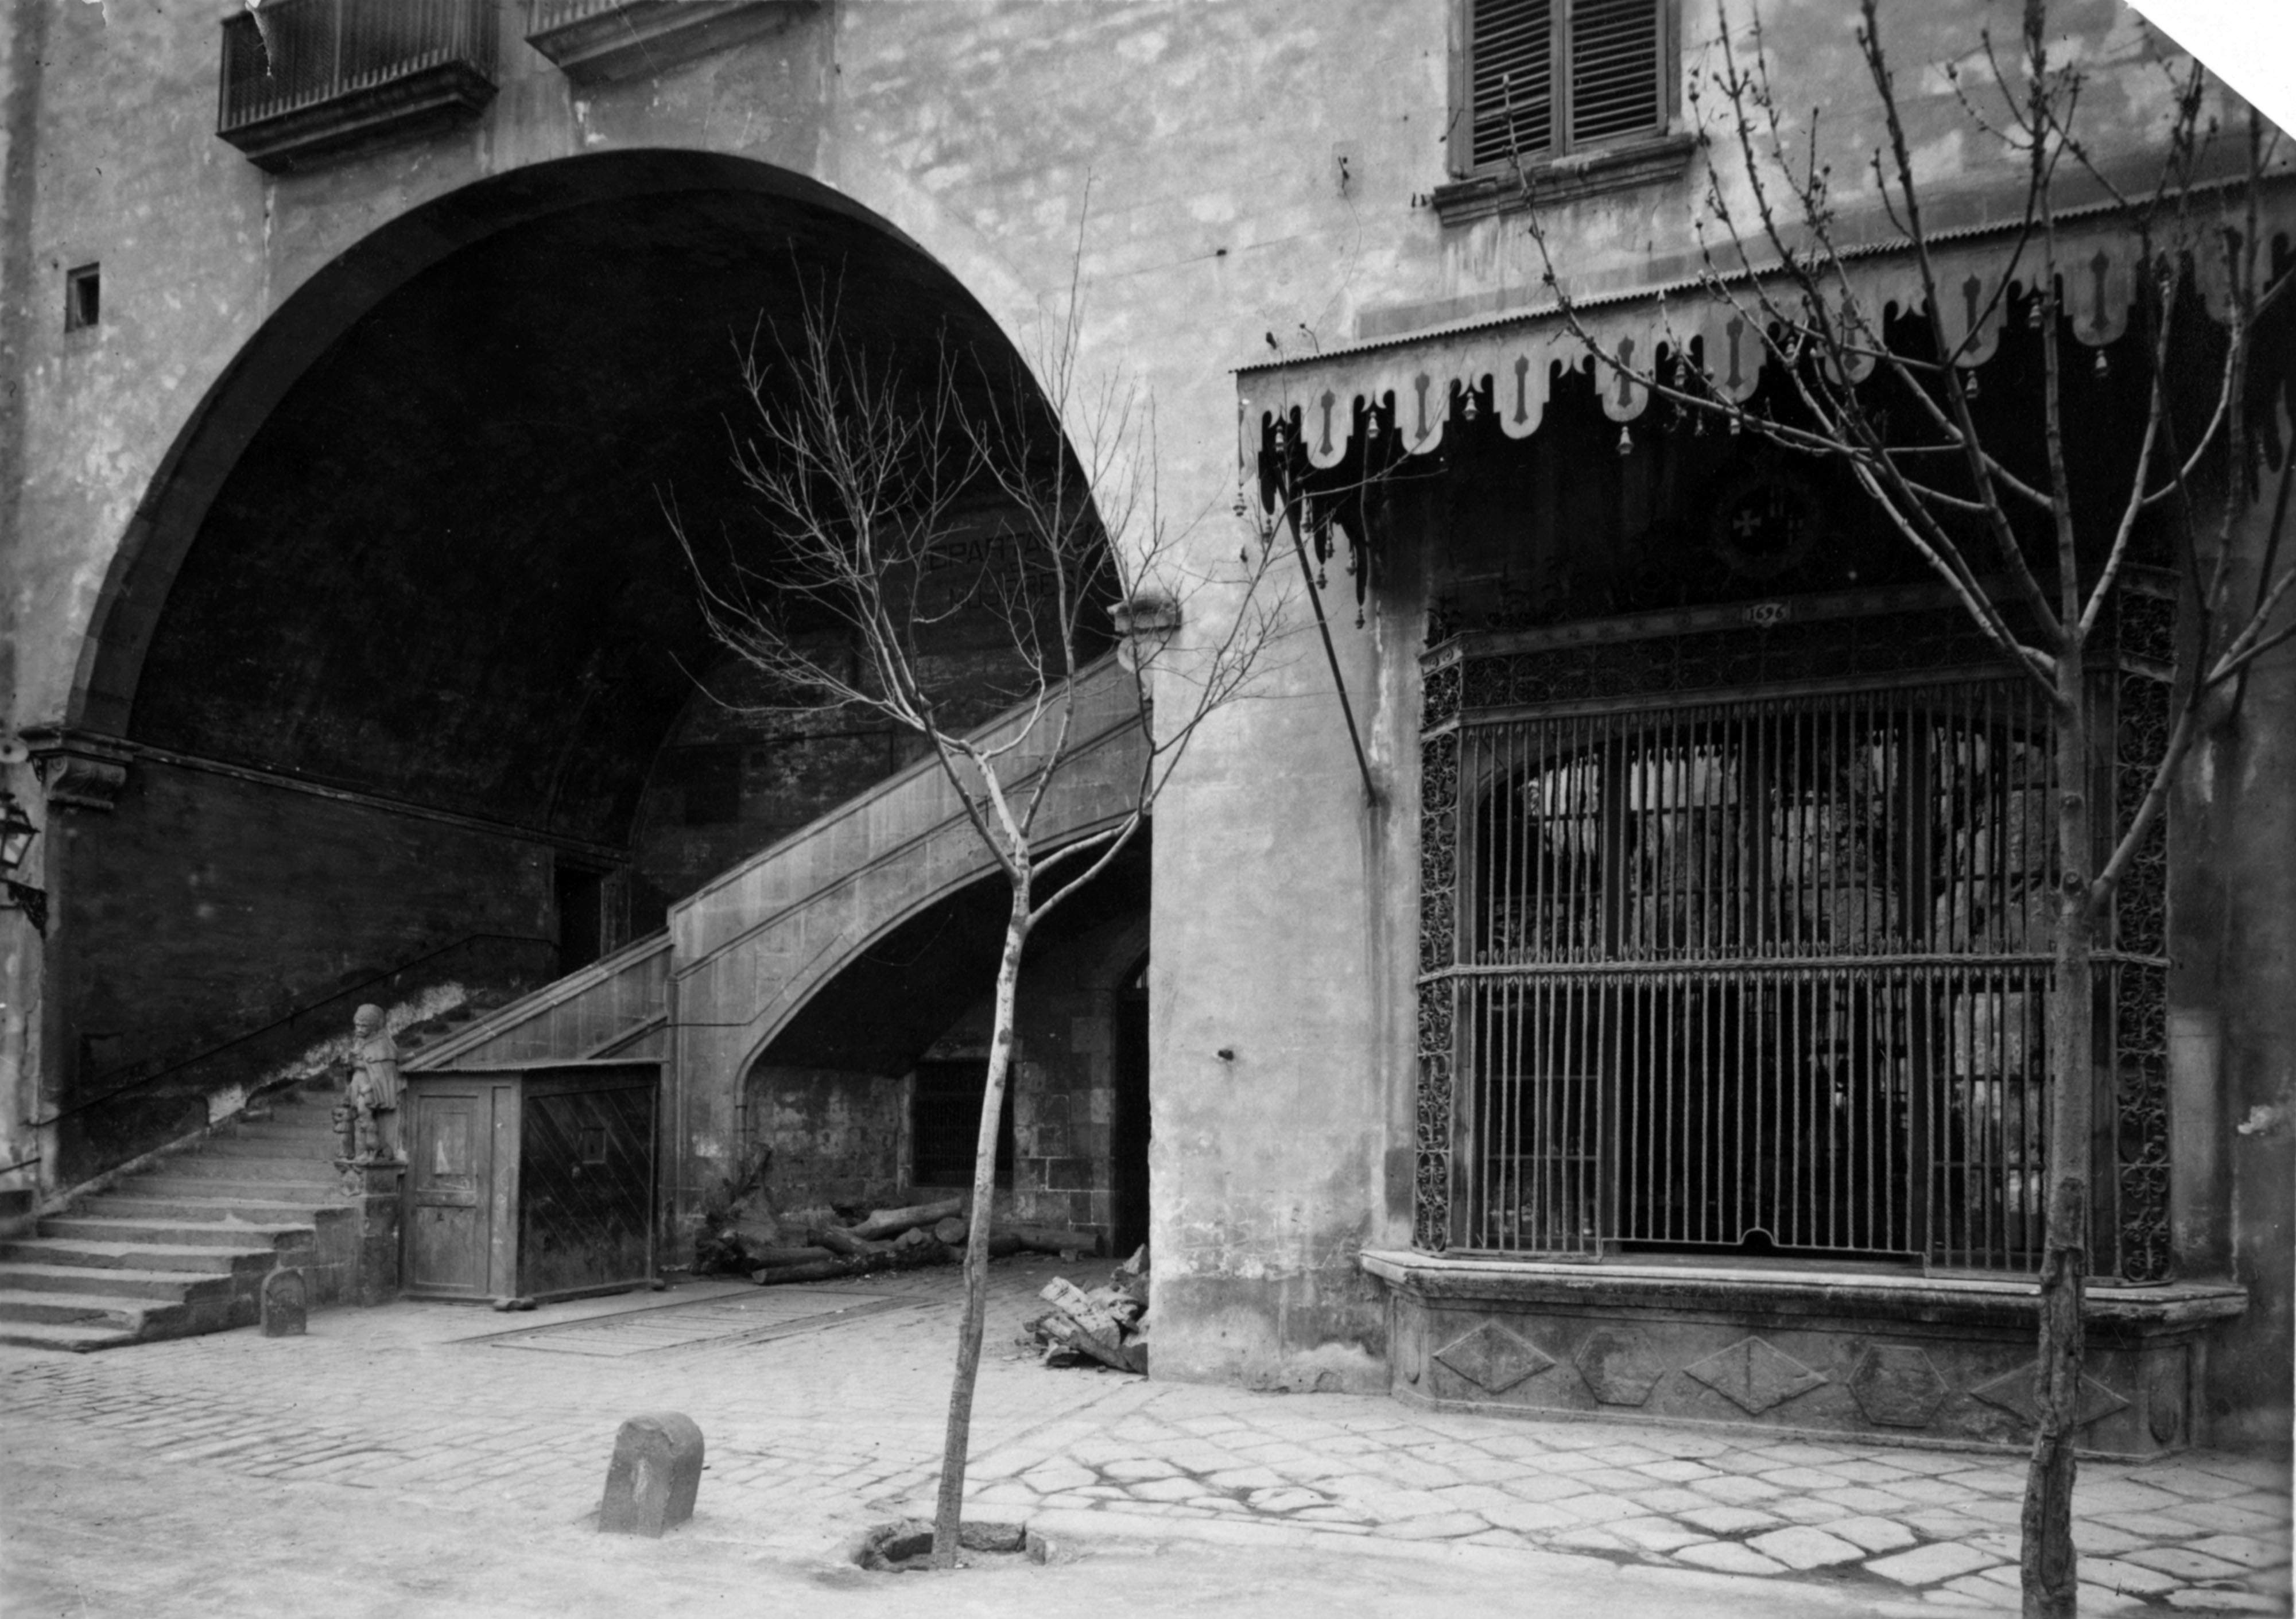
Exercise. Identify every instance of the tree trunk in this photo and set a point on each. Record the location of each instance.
(2049, 1562)
(948, 1509)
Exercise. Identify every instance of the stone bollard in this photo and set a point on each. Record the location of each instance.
(286, 1301)
(655, 1474)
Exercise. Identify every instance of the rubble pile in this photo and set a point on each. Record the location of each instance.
(1105, 1327)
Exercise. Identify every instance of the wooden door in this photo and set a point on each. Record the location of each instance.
(458, 1227)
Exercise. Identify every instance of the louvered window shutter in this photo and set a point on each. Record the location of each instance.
(1510, 65)
(1616, 87)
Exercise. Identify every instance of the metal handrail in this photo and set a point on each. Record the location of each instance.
(303, 1009)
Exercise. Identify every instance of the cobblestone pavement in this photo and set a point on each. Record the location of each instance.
(818, 1423)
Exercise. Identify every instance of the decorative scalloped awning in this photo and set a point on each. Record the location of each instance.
(1512, 361)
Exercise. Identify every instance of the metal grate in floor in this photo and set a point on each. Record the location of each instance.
(750, 1318)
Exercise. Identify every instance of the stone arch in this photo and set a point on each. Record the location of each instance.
(292, 823)
(317, 316)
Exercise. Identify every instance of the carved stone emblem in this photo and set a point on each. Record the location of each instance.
(1493, 1359)
(2013, 1391)
(1754, 1376)
(1897, 1387)
(1620, 1367)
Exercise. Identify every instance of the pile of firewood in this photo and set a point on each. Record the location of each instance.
(815, 1244)
(1106, 1326)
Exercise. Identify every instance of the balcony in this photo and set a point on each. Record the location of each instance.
(305, 81)
(598, 41)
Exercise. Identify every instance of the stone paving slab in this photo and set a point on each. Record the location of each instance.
(833, 1419)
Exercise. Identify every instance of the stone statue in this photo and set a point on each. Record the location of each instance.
(373, 1089)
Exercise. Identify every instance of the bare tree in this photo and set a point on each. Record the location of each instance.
(2036, 568)
(874, 481)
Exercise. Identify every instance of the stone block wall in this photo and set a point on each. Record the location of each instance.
(835, 1136)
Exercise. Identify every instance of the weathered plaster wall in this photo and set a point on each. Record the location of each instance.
(2233, 1031)
(1207, 139)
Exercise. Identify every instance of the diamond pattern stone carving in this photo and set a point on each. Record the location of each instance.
(1493, 1359)
(2012, 1391)
(1755, 1376)
(1897, 1387)
(1621, 1368)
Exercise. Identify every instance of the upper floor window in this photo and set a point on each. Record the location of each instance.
(1545, 80)
(1549, 76)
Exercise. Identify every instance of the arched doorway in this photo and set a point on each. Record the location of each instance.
(871, 1093)
(406, 659)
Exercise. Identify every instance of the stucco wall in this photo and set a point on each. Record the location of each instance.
(1203, 147)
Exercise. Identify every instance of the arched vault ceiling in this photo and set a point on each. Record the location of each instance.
(440, 571)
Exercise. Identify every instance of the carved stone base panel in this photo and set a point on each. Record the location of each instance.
(1755, 1375)
(1918, 1363)
(1493, 1359)
(1898, 1386)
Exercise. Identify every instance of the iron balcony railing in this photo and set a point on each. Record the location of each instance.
(542, 15)
(290, 55)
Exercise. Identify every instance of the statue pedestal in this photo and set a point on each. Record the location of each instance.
(370, 1240)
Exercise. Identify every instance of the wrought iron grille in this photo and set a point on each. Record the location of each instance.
(1763, 973)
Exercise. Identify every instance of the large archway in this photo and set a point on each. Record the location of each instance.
(871, 1094)
(397, 637)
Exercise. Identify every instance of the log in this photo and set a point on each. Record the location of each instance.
(820, 1270)
(839, 1240)
(767, 1258)
(927, 1252)
(1047, 1238)
(892, 1221)
(955, 1232)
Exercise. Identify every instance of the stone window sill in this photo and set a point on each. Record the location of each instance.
(1566, 179)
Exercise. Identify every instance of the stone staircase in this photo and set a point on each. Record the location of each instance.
(182, 1246)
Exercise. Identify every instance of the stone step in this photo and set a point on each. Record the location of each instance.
(271, 1189)
(121, 1313)
(283, 1237)
(126, 1205)
(315, 1128)
(222, 1166)
(63, 1335)
(200, 1259)
(243, 1144)
(299, 1109)
(108, 1282)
